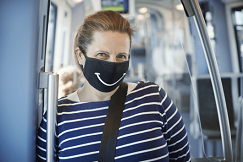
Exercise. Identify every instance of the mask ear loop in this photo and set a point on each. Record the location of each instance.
(194, 96)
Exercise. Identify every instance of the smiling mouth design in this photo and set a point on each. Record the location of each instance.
(98, 76)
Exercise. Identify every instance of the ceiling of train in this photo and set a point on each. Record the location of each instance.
(163, 2)
(166, 3)
(154, 5)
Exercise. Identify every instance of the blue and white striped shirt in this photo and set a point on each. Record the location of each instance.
(151, 129)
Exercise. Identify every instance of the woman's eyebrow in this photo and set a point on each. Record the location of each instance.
(101, 51)
(123, 53)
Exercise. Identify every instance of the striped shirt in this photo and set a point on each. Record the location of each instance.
(151, 129)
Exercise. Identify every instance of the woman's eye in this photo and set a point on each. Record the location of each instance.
(122, 57)
(102, 56)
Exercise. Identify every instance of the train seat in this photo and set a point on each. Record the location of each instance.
(208, 110)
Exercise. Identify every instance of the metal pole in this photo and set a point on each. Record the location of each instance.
(239, 134)
(52, 94)
(241, 141)
(216, 80)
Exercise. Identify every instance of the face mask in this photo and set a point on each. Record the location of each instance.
(103, 75)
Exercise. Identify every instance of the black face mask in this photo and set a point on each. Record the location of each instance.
(103, 75)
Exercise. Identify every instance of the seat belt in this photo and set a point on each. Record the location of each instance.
(112, 123)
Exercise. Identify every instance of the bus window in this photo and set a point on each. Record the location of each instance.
(237, 14)
(51, 38)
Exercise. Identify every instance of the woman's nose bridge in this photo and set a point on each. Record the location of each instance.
(112, 58)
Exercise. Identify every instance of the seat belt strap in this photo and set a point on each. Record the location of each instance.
(112, 124)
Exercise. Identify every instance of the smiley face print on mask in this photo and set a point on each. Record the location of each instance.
(103, 75)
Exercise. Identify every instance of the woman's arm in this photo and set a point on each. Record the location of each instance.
(174, 130)
(41, 141)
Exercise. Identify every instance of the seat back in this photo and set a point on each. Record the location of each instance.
(207, 105)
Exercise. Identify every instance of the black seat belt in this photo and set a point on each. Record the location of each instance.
(112, 124)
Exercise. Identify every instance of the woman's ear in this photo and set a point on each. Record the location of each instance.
(79, 56)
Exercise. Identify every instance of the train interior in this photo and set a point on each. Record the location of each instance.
(37, 37)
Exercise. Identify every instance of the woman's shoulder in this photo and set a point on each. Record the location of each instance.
(142, 87)
(131, 86)
(69, 99)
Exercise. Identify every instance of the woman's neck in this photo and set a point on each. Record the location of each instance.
(89, 94)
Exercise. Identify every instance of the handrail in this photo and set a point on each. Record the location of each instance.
(49, 81)
(239, 133)
(52, 95)
(192, 8)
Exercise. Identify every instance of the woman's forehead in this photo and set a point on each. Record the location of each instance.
(110, 40)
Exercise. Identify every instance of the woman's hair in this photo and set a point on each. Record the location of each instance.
(100, 21)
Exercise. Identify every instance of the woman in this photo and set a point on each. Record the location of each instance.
(151, 127)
